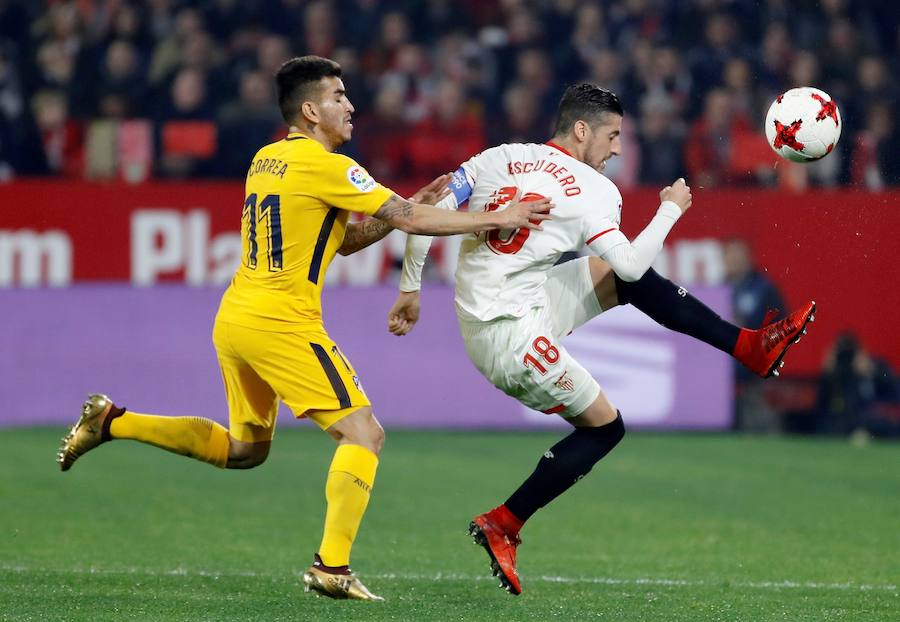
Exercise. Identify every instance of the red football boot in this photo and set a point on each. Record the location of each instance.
(763, 350)
(500, 543)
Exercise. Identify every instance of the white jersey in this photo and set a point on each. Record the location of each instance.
(502, 273)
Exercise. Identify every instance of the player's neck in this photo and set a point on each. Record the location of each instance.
(571, 147)
(314, 134)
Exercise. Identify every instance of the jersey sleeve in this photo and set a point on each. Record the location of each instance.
(630, 260)
(345, 184)
(603, 211)
(417, 249)
(417, 246)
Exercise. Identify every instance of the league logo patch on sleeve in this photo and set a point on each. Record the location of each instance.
(358, 176)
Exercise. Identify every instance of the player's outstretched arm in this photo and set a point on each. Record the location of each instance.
(426, 220)
(630, 260)
(359, 235)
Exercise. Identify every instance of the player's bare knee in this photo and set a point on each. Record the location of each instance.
(372, 434)
(242, 455)
(604, 280)
(600, 412)
(360, 428)
(376, 437)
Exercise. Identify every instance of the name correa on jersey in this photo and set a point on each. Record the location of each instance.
(272, 166)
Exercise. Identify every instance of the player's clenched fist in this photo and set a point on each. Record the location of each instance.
(679, 193)
(525, 213)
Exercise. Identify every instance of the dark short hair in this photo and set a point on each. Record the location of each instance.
(585, 102)
(297, 79)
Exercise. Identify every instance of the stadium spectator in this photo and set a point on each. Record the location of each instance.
(187, 24)
(523, 31)
(411, 70)
(121, 90)
(858, 392)
(20, 143)
(12, 93)
(755, 51)
(668, 75)
(874, 164)
(805, 69)
(272, 52)
(61, 136)
(717, 140)
(605, 67)
(774, 58)
(874, 79)
(394, 32)
(226, 17)
(534, 70)
(753, 295)
(319, 29)
(707, 61)
(246, 125)
(186, 134)
(843, 53)
(460, 59)
(56, 67)
(383, 133)
(589, 34)
(738, 80)
(454, 127)
(661, 140)
(521, 120)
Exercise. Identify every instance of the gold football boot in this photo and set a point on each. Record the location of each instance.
(91, 430)
(340, 586)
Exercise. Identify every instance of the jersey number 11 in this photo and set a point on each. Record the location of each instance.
(269, 210)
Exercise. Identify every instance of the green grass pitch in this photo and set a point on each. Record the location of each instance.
(668, 527)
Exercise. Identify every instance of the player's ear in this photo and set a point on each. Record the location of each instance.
(309, 111)
(580, 129)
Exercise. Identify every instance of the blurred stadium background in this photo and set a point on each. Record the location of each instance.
(125, 132)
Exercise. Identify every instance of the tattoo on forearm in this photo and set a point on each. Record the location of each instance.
(394, 207)
(359, 235)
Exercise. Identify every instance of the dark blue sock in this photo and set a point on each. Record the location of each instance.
(673, 307)
(564, 464)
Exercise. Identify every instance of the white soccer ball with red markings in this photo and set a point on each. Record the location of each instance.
(803, 124)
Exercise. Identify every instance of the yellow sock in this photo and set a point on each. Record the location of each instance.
(195, 437)
(347, 489)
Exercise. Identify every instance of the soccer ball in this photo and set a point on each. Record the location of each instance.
(803, 124)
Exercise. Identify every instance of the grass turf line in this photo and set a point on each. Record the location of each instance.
(682, 527)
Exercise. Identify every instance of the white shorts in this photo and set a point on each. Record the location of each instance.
(523, 357)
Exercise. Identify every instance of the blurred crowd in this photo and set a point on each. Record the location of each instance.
(855, 394)
(138, 89)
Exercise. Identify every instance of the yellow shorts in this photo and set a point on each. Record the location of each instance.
(307, 371)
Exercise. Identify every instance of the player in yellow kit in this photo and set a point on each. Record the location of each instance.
(269, 336)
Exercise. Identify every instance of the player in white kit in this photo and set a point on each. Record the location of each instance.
(514, 302)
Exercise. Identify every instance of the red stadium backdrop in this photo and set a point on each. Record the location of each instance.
(838, 247)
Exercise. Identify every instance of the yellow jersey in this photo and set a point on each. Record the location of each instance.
(296, 204)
